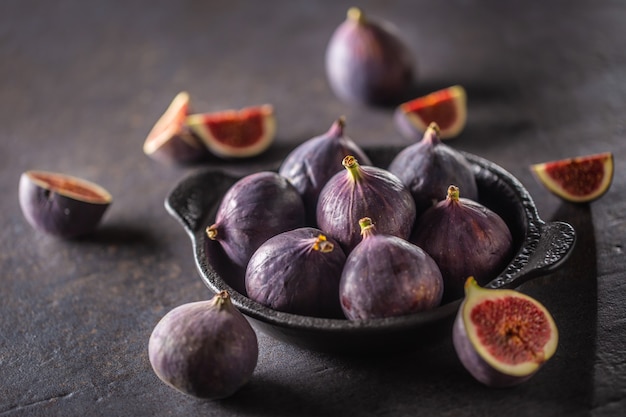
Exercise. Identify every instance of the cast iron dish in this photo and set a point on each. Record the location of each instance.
(540, 249)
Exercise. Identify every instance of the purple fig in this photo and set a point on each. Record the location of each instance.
(206, 349)
(368, 62)
(171, 140)
(62, 205)
(464, 238)
(502, 337)
(364, 191)
(310, 165)
(297, 272)
(429, 166)
(255, 208)
(386, 276)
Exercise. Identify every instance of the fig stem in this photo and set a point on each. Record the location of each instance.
(367, 227)
(221, 299)
(323, 245)
(356, 15)
(336, 130)
(352, 165)
(211, 232)
(453, 193)
(431, 135)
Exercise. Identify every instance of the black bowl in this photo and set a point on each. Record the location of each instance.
(540, 248)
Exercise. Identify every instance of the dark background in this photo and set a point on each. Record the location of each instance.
(81, 84)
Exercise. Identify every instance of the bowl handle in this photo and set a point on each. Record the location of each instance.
(555, 244)
(194, 197)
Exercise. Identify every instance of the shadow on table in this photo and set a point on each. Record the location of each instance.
(570, 294)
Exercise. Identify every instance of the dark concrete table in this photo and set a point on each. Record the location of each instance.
(83, 82)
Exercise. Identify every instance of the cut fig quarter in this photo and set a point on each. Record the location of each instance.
(170, 140)
(501, 336)
(580, 179)
(60, 204)
(240, 133)
(446, 107)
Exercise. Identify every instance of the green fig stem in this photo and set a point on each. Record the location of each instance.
(453, 193)
(367, 227)
(323, 245)
(353, 167)
(356, 15)
(211, 232)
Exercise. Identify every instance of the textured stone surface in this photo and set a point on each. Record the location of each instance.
(83, 82)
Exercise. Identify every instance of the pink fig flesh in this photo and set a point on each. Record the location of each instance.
(502, 337)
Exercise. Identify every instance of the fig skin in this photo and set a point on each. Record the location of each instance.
(367, 62)
(364, 191)
(171, 140)
(206, 349)
(62, 205)
(429, 166)
(297, 272)
(255, 208)
(512, 327)
(387, 276)
(310, 165)
(464, 238)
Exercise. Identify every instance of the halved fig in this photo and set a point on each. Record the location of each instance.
(62, 205)
(502, 337)
(236, 133)
(171, 140)
(446, 107)
(579, 180)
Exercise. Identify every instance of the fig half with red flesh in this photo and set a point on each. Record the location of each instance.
(446, 107)
(501, 336)
(240, 133)
(171, 140)
(62, 205)
(579, 180)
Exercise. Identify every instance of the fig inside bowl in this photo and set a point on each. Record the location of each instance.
(540, 248)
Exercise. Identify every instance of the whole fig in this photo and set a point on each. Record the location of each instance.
(466, 239)
(255, 208)
(367, 61)
(364, 191)
(206, 349)
(298, 272)
(429, 166)
(386, 276)
(310, 165)
(502, 337)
